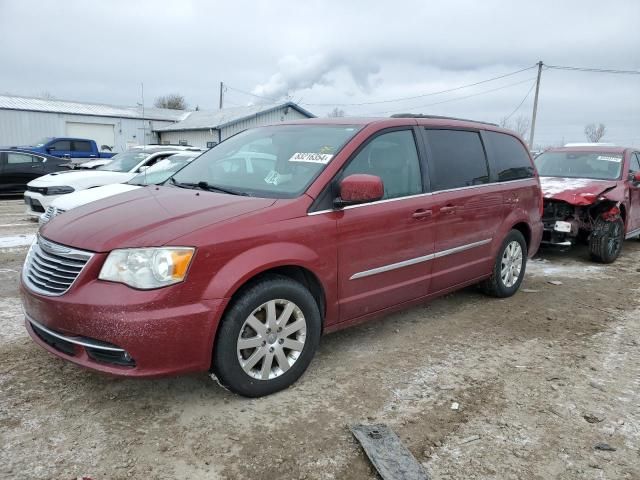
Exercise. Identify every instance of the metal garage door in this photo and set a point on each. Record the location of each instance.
(103, 134)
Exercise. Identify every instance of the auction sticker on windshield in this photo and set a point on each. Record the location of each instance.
(322, 158)
(610, 159)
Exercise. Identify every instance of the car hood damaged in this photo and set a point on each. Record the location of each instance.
(580, 191)
(145, 217)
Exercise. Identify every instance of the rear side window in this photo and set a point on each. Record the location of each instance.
(456, 159)
(509, 157)
(62, 145)
(16, 158)
(81, 146)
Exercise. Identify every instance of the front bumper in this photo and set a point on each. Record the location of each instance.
(113, 329)
(37, 203)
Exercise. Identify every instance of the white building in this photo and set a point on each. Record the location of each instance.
(25, 120)
(205, 128)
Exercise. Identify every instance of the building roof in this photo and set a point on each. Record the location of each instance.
(203, 120)
(14, 102)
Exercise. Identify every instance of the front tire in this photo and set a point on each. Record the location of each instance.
(509, 268)
(606, 240)
(267, 337)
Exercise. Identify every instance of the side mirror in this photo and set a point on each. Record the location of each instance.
(359, 188)
(50, 149)
(143, 168)
(636, 177)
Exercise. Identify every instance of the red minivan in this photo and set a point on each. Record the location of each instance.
(243, 259)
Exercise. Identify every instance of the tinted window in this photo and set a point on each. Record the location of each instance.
(82, 146)
(392, 157)
(62, 145)
(15, 158)
(635, 163)
(456, 159)
(509, 157)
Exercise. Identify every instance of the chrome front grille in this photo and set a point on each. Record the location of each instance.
(49, 214)
(51, 269)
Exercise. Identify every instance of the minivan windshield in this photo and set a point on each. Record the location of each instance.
(596, 165)
(274, 162)
(124, 162)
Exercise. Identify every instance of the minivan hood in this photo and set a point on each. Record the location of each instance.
(146, 217)
(81, 179)
(576, 191)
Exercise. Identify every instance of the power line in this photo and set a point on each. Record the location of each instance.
(393, 100)
(594, 70)
(251, 94)
(422, 95)
(459, 98)
(521, 103)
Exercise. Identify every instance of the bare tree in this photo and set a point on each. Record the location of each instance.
(336, 112)
(173, 101)
(594, 134)
(47, 95)
(520, 124)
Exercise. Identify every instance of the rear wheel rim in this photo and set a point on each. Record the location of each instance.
(511, 264)
(271, 339)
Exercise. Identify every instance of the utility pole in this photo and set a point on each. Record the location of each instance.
(535, 106)
(221, 94)
(144, 121)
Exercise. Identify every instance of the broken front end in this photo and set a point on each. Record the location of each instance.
(566, 224)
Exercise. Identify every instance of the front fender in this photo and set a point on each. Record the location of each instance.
(238, 270)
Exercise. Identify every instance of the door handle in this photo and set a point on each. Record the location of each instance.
(448, 210)
(422, 213)
(35, 166)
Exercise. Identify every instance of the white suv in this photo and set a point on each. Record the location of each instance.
(123, 167)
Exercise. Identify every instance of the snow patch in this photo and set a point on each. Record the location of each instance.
(543, 268)
(14, 241)
(11, 320)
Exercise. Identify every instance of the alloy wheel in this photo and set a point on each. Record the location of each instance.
(271, 339)
(511, 264)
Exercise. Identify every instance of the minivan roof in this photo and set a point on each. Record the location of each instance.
(427, 120)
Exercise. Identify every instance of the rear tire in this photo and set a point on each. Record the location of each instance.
(509, 267)
(267, 337)
(606, 240)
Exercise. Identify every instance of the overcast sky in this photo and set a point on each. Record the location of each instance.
(337, 52)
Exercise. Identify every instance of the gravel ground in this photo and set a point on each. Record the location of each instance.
(540, 379)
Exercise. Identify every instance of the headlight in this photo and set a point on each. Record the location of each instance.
(147, 268)
(59, 190)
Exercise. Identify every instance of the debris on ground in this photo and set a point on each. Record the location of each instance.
(605, 447)
(592, 418)
(555, 282)
(389, 456)
(455, 406)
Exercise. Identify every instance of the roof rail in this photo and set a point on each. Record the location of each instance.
(438, 117)
(590, 144)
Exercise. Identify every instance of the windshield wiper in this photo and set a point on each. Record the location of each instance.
(207, 187)
(213, 188)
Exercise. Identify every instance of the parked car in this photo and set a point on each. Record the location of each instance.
(89, 164)
(591, 193)
(19, 167)
(122, 168)
(66, 147)
(156, 174)
(239, 266)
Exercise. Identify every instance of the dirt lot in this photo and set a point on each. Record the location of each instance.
(525, 371)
